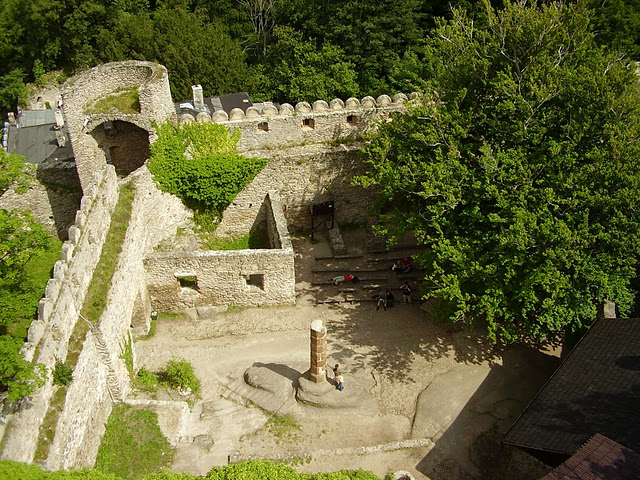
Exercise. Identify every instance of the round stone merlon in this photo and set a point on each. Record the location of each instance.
(317, 326)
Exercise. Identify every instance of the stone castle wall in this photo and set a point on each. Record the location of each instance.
(78, 92)
(316, 166)
(302, 176)
(235, 277)
(269, 127)
(49, 335)
(311, 157)
(154, 215)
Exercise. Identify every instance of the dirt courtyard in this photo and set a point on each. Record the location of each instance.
(423, 397)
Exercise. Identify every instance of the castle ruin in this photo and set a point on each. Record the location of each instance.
(310, 159)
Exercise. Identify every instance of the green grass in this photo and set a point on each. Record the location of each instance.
(124, 101)
(253, 240)
(96, 298)
(133, 444)
(283, 427)
(48, 426)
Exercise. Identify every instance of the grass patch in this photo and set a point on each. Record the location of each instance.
(133, 444)
(127, 357)
(48, 426)
(96, 298)
(146, 381)
(283, 427)
(253, 240)
(124, 100)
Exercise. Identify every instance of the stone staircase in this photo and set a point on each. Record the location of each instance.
(113, 383)
(239, 391)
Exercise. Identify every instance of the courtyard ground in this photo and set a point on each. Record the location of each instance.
(420, 396)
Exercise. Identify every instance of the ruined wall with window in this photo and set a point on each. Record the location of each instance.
(237, 277)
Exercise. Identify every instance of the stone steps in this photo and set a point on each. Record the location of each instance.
(113, 384)
(239, 391)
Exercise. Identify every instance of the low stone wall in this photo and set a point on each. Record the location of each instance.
(239, 277)
(48, 336)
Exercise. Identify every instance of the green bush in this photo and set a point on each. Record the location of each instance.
(179, 375)
(62, 374)
(147, 380)
(198, 163)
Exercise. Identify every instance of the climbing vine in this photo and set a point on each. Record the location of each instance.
(198, 163)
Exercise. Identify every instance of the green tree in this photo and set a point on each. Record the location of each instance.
(298, 70)
(372, 35)
(12, 90)
(18, 377)
(21, 240)
(518, 172)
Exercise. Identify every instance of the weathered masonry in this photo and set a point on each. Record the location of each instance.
(309, 160)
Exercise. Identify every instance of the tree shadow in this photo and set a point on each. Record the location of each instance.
(470, 445)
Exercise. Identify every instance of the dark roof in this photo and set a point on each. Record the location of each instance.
(35, 137)
(600, 459)
(595, 390)
(235, 100)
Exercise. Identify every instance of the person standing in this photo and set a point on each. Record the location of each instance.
(382, 300)
(406, 294)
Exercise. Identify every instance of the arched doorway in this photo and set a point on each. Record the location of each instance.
(125, 145)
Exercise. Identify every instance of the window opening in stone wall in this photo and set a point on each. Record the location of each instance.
(255, 280)
(263, 127)
(188, 281)
(308, 123)
(352, 120)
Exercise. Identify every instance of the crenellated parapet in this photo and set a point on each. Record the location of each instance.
(265, 126)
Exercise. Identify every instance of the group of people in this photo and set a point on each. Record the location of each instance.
(402, 265)
(385, 299)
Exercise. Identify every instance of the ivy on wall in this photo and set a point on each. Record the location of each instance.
(198, 163)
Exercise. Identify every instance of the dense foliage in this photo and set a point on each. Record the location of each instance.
(25, 263)
(197, 162)
(519, 171)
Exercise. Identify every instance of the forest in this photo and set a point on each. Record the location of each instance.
(278, 50)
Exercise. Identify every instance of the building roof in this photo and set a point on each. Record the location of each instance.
(38, 143)
(595, 390)
(600, 459)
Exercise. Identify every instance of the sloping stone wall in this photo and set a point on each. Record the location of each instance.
(154, 216)
(48, 336)
(236, 277)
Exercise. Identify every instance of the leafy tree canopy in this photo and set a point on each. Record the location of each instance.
(297, 70)
(519, 171)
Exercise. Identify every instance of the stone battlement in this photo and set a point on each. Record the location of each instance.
(267, 126)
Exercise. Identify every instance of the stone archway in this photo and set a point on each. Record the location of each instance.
(125, 145)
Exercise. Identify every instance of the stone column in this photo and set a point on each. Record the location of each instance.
(318, 352)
